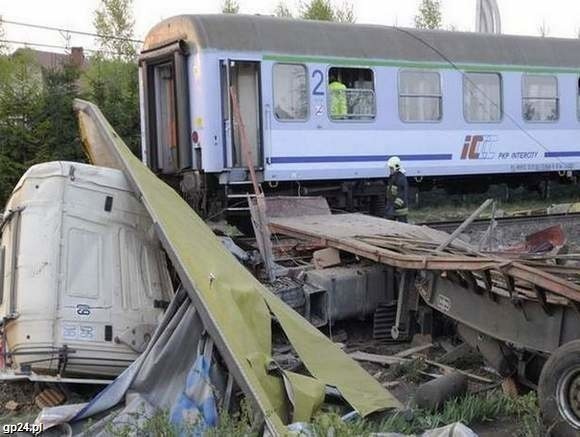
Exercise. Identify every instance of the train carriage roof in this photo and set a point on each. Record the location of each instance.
(293, 37)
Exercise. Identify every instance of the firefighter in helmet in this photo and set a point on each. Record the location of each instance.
(397, 191)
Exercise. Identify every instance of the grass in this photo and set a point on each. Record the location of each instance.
(437, 205)
(469, 410)
(26, 416)
(410, 371)
(160, 425)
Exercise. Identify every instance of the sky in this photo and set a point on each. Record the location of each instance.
(524, 17)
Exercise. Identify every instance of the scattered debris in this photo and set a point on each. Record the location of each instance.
(235, 313)
(389, 360)
(324, 258)
(414, 350)
(453, 430)
(510, 387)
(433, 394)
(12, 406)
(455, 353)
(50, 397)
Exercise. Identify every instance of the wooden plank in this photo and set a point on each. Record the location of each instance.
(288, 206)
(390, 360)
(414, 350)
(341, 232)
(464, 225)
(378, 359)
(324, 258)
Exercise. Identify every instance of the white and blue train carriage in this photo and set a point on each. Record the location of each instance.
(449, 104)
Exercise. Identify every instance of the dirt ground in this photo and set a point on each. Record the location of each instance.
(403, 381)
(23, 393)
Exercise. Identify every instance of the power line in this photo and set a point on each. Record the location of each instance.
(51, 46)
(77, 32)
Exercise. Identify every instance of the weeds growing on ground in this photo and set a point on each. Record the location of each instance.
(410, 371)
(469, 410)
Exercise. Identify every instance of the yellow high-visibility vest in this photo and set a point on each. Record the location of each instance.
(338, 105)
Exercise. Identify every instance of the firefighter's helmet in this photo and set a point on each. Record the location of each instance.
(394, 162)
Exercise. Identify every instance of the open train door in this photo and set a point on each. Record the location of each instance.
(244, 77)
(165, 111)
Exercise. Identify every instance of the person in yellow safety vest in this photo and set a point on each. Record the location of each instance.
(338, 104)
(397, 191)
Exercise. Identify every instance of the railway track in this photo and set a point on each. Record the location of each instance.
(510, 230)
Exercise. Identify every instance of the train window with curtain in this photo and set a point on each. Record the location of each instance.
(420, 98)
(351, 94)
(482, 99)
(540, 101)
(290, 92)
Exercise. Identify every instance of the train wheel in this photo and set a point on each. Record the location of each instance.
(378, 205)
(559, 391)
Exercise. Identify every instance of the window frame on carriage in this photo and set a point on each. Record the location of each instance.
(401, 95)
(525, 97)
(307, 92)
(357, 118)
(467, 81)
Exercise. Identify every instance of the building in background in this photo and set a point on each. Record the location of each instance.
(54, 60)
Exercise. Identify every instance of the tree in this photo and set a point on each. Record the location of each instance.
(230, 7)
(324, 10)
(61, 134)
(282, 10)
(22, 126)
(21, 110)
(115, 24)
(345, 14)
(113, 85)
(317, 10)
(37, 122)
(429, 15)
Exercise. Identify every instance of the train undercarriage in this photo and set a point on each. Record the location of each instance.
(212, 198)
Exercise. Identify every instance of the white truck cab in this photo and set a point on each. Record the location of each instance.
(83, 279)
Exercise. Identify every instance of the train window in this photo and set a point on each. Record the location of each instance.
(290, 92)
(420, 96)
(482, 101)
(351, 94)
(540, 98)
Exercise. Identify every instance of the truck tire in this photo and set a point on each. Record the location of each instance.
(559, 391)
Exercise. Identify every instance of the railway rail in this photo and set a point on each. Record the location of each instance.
(511, 230)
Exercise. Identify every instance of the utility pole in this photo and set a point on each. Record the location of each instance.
(487, 17)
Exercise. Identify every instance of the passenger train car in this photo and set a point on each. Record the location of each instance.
(451, 105)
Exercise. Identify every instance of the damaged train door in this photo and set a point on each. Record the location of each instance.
(166, 109)
(244, 78)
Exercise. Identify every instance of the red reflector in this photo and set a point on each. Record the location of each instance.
(195, 137)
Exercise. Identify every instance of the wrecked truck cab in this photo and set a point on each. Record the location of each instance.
(83, 280)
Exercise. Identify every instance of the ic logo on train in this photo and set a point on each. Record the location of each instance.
(479, 147)
(488, 147)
